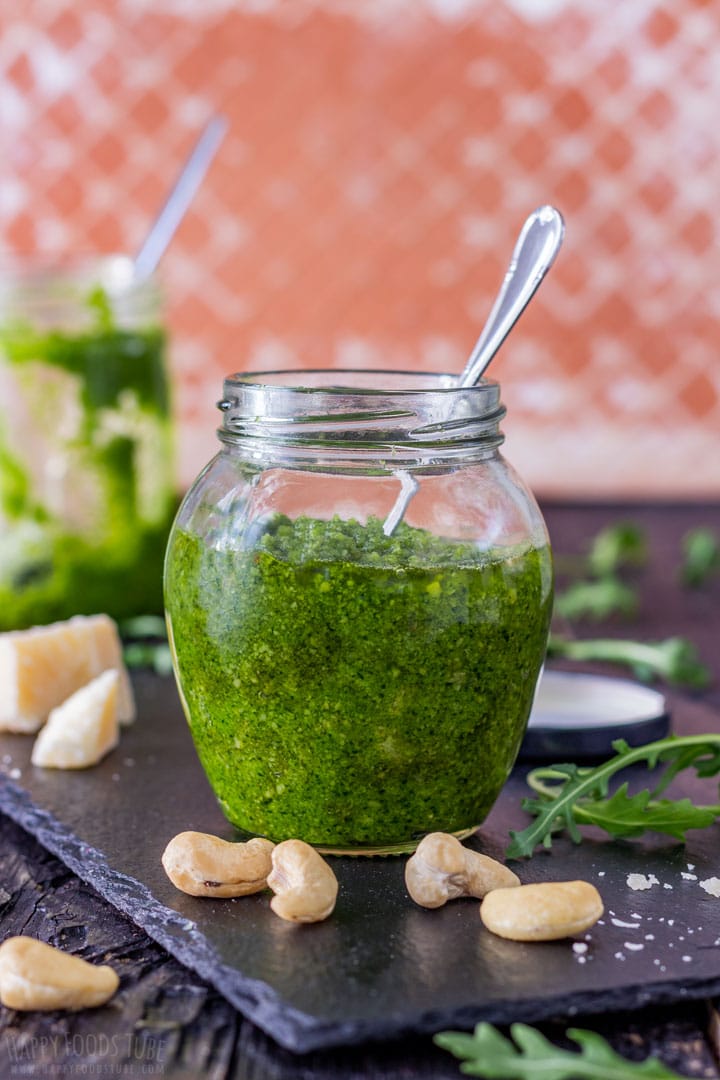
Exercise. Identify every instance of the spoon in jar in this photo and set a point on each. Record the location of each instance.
(537, 245)
(181, 195)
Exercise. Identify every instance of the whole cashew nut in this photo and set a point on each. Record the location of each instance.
(204, 865)
(442, 869)
(545, 911)
(34, 975)
(304, 885)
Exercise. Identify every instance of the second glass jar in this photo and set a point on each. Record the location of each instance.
(86, 473)
(347, 682)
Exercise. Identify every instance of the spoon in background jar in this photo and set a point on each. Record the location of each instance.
(537, 245)
(181, 195)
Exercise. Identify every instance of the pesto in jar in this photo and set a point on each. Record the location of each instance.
(351, 689)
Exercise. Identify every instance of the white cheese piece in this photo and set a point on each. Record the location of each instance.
(41, 667)
(83, 729)
(639, 882)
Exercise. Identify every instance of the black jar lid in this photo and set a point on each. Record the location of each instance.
(578, 716)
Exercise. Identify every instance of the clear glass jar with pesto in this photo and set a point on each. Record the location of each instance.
(86, 477)
(345, 683)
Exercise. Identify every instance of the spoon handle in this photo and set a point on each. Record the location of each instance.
(534, 254)
(179, 199)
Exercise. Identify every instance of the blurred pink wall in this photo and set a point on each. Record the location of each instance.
(381, 159)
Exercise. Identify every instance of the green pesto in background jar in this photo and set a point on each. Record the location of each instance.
(86, 479)
(356, 690)
(348, 683)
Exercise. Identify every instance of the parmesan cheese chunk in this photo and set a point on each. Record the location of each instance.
(40, 668)
(711, 885)
(83, 729)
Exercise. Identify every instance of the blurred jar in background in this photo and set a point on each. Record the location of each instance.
(86, 477)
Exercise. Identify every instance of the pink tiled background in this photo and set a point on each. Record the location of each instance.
(381, 158)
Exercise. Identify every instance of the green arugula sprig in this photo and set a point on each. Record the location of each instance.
(145, 644)
(675, 659)
(600, 592)
(530, 1056)
(596, 600)
(701, 557)
(567, 796)
(616, 547)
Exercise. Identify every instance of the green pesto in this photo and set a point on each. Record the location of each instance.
(108, 360)
(48, 572)
(355, 690)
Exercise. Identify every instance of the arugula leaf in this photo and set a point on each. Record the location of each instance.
(675, 659)
(596, 599)
(146, 644)
(568, 796)
(624, 815)
(144, 626)
(531, 1056)
(616, 546)
(701, 557)
(144, 654)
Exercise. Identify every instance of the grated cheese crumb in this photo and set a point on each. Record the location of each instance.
(711, 886)
(640, 882)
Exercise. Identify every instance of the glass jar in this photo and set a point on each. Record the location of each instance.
(86, 478)
(348, 687)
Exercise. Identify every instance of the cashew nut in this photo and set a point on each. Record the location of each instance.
(34, 975)
(442, 869)
(304, 885)
(204, 865)
(542, 912)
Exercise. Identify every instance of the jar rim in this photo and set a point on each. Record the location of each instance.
(114, 272)
(50, 292)
(361, 381)
(360, 408)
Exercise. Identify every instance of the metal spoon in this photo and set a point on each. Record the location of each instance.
(537, 245)
(180, 197)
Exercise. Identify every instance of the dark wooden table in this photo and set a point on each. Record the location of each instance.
(165, 1021)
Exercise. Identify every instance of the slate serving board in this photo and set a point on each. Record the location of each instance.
(380, 967)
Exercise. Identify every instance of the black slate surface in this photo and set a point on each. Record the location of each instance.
(380, 967)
